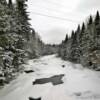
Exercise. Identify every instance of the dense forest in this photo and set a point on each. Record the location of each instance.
(18, 40)
(84, 44)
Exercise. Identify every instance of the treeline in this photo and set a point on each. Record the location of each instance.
(18, 41)
(50, 49)
(84, 44)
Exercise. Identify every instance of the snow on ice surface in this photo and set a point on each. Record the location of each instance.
(79, 83)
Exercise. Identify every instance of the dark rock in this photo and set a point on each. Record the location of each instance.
(30, 98)
(1, 82)
(28, 71)
(55, 80)
(63, 66)
(97, 69)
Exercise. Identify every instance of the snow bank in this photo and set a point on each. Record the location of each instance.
(79, 83)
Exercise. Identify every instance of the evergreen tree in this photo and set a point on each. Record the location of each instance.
(66, 38)
(78, 31)
(72, 35)
(90, 20)
(82, 33)
(78, 28)
(83, 28)
(11, 18)
(97, 18)
(10, 4)
(23, 20)
(97, 29)
(4, 25)
(74, 49)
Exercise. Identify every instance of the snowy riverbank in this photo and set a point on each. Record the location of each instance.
(79, 83)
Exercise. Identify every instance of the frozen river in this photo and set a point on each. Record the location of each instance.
(76, 83)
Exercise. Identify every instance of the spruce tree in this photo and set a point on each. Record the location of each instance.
(82, 32)
(97, 29)
(23, 19)
(97, 18)
(90, 20)
(12, 18)
(78, 28)
(66, 38)
(74, 49)
(78, 31)
(83, 28)
(10, 4)
(72, 35)
(3, 17)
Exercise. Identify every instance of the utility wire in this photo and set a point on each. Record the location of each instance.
(53, 10)
(55, 17)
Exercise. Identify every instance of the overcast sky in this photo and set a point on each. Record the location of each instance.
(53, 19)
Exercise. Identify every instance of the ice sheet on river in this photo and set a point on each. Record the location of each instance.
(79, 83)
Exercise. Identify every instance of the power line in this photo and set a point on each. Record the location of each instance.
(56, 11)
(53, 10)
(55, 17)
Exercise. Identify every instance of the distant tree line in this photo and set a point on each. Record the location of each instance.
(84, 44)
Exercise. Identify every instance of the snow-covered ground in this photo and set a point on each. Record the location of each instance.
(79, 83)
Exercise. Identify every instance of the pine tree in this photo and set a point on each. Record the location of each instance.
(78, 28)
(72, 35)
(90, 20)
(82, 32)
(97, 29)
(3, 17)
(23, 20)
(66, 38)
(12, 18)
(97, 18)
(83, 28)
(10, 4)
(74, 56)
(78, 31)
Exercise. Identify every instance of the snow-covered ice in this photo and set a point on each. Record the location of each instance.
(79, 83)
